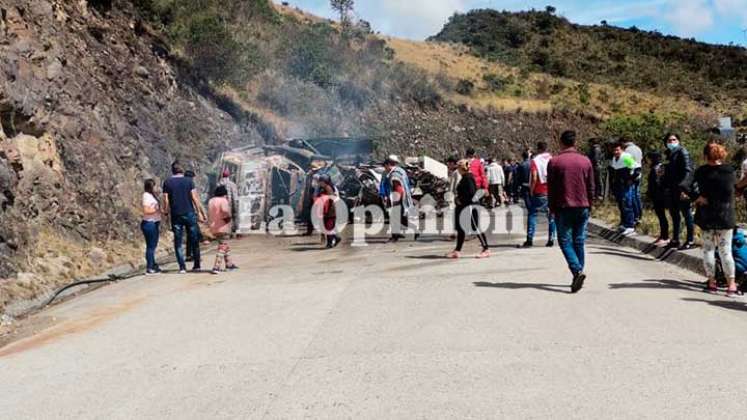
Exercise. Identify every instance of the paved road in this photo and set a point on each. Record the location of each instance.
(387, 332)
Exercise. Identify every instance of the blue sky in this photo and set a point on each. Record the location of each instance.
(714, 21)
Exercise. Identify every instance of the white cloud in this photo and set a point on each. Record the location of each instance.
(418, 19)
(689, 17)
(409, 18)
(613, 12)
(730, 8)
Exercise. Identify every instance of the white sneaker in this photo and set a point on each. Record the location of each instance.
(628, 232)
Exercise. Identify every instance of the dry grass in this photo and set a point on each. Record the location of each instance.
(528, 92)
(57, 260)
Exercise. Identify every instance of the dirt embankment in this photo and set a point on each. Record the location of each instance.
(451, 129)
(90, 105)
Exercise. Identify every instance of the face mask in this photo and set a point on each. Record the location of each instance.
(672, 146)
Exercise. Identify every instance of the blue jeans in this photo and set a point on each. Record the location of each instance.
(151, 232)
(637, 203)
(178, 225)
(624, 194)
(538, 204)
(572, 236)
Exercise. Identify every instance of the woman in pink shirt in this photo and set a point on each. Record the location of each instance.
(219, 219)
(151, 225)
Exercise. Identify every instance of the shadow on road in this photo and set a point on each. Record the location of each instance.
(734, 305)
(307, 243)
(308, 248)
(660, 284)
(623, 254)
(515, 286)
(427, 257)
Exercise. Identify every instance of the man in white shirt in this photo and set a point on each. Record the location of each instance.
(496, 180)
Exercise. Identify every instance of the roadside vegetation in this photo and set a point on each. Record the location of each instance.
(306, 74)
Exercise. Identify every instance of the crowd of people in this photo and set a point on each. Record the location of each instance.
(562, 187)
(179, 200)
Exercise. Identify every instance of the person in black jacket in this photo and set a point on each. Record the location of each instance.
(678, 181)
(466, 191)
(596, 156)
(716, 215)
(656, 195)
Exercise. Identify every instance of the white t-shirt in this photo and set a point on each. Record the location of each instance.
(150, 201)
(744, 168)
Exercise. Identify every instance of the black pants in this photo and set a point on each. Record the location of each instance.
(679, 209)
(598, 183)
(462, 234)
(661, 213)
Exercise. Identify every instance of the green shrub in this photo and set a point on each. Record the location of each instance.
(214, 52)
(495, 82)
(584, 95)
(465, 87)
(313, 57)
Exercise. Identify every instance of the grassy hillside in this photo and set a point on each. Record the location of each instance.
(507, 88)
(538, 41)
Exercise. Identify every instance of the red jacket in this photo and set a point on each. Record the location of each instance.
(478, 172)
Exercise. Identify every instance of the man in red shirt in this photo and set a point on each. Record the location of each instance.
(570, 177)
(477, 169)
(538, 196)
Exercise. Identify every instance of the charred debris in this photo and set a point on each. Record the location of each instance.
(273, 175)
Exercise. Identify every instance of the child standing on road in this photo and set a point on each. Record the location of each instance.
(326, 211)
(219, 217)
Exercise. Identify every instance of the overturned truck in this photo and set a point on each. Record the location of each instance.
(269, 176)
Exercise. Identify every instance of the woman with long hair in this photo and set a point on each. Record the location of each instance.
(466, 216)
(715, 215)
(151, 225)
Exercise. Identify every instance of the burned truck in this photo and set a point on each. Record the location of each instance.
(272, 175)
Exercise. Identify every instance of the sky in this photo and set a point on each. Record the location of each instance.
(713, 21)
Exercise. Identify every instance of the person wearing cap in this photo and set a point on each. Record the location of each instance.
(400, 196)
(233, 198)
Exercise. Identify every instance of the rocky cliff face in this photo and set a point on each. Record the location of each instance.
(90, 105)
(452, 129)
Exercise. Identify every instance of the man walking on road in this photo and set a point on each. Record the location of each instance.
(570, 179)
(538, 196)
(183, 203)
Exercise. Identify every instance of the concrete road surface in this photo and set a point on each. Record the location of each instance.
(387, 331)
